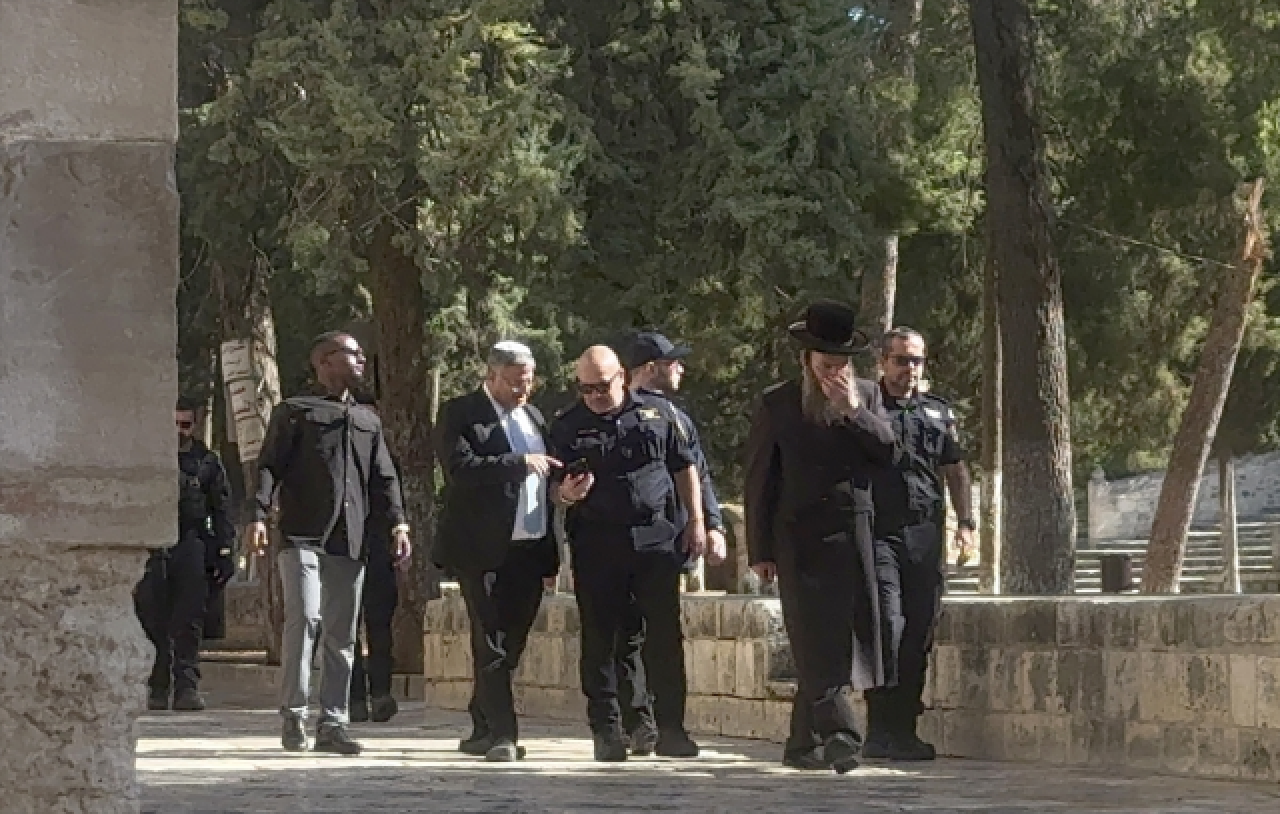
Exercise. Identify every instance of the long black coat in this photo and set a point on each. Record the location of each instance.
(808, 498)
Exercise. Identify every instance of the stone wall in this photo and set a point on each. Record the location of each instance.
(1180, 685)
(736, 653)
(88, 457)
(1123, 509)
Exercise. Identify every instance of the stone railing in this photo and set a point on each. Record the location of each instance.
(1180, 685)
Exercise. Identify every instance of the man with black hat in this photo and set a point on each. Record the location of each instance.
(814, 445)
(655, 368)
(909, 546)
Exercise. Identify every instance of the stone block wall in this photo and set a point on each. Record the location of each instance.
(1178, 685)
(1123, 509)
(736, 654)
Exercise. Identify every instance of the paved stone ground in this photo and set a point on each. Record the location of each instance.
(228, 759)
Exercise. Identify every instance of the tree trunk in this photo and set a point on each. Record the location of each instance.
(252, 380)
(1039, 511)
(898, 46)
(1227, 531)
(1195, 435)
(879, 289)
(405, 397)
(989, 539)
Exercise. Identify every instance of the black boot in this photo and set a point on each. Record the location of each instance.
(293, 736)
(908, 747)
(840, 751)
(158, 700)
(610, 747)
(188, 700)
(384, 708)
(333, 739)
(477, 744)
(810, 761)
(676, 743)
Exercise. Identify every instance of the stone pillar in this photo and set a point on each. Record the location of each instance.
(88, 269)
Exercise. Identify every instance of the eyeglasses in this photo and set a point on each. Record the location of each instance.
(354, 352)
(902, 360)
(598, 388)
(185, 425)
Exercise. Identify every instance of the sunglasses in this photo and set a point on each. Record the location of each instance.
(598, 388)
(355, 352)
(902, 360)
(185, 425)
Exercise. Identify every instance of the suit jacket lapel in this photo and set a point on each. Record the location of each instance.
(487, 416)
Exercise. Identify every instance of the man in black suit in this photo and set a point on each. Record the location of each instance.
(494, 533)
(814, 446)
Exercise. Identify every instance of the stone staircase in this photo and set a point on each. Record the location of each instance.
(1201, 572)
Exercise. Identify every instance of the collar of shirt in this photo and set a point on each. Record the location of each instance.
(502, 412)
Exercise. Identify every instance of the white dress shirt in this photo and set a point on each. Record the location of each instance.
(524, 438)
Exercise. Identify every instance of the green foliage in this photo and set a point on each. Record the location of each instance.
(570, 170)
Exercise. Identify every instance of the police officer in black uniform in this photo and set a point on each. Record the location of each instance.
(171, 597)
(655, 368)
(627, 473)
(910, 555)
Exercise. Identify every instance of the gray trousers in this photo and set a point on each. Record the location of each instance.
(321, 594)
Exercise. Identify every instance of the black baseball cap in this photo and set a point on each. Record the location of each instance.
(651, 346)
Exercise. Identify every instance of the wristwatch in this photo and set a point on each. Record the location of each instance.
(967, 524)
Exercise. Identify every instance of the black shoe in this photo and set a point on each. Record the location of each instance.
(610, 748)
(188, 700)
(478, 744)
(504, 750)
(643, 739)
(158, 701)
(676, 743)
(806, 761)
(358, 711)
(384, 708)
(877, 745)
(903, 748)
(840, 751)
(293, 737)
(333, 739)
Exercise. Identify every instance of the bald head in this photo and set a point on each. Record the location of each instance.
(600, 379)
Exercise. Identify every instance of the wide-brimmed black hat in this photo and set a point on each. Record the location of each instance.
(651, 346)
(827, 327)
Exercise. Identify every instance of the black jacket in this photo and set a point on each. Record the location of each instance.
(710, 503)
(327, 459)
(482, 480)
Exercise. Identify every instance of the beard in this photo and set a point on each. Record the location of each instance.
(814, 404)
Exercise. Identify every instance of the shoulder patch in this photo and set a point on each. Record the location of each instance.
(648, 413)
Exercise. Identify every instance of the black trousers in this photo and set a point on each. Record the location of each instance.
(502, 605)
(816, 583)
(609, 575)
(633, 688)
(909, 570)
(371, 677)
(170, 601)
